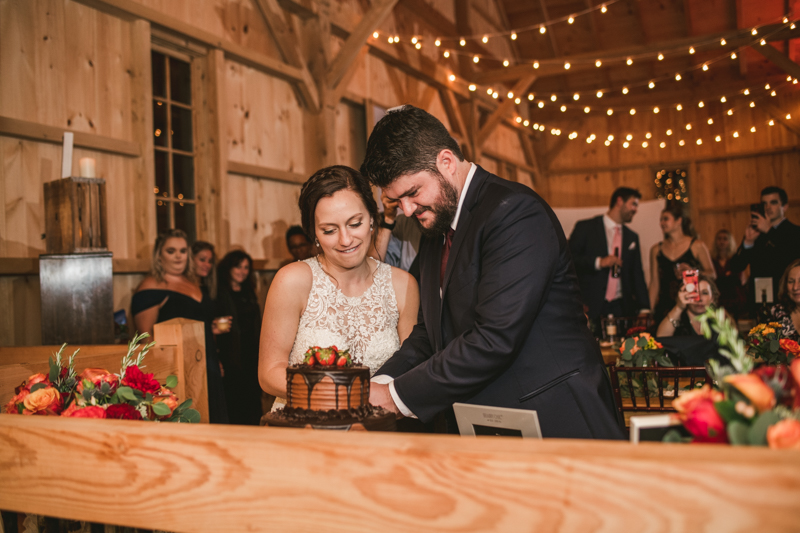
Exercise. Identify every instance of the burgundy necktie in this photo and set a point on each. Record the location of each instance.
(448, 242)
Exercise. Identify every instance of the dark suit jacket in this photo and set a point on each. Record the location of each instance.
(587, 243)
(510, 330)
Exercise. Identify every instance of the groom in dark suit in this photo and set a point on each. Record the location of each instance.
(501, 322)
(600, 243)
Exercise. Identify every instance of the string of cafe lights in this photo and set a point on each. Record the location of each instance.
(649, 137)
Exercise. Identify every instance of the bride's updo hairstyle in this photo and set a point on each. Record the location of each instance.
(325, 183)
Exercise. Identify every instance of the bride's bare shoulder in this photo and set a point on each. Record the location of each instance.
(293, 278)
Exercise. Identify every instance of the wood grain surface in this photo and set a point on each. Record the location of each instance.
(201, 478)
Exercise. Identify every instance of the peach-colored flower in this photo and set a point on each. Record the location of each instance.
(41, 400)
(687, 401)
(98, 376)
(785, 435)
(168, 398)
(790, 346)
(759, 393)
(93, 411)
(36, 378)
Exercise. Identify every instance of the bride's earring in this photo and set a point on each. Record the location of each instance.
(316, 241)
(370, 226)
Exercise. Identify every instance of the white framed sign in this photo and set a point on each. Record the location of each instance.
(653, 422)
(474, 420)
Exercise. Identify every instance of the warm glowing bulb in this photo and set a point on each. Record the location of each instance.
(754, 32)
(599, 94)
(711, 121)
(414, 40)
(610, 137)
(489, 91)
(462, 42)
(723, 99)
(475, 59)
(391, 40)
(563, 108)
(607, 143)
(542, 29)
(535, 64)
(773, 93)
(679, 107)
(669, 132)
(525, 122)
(718, 138)
(586, 109)
(785, 20)
(648, 135)
(723, 42)
(681, 142)
(628, 137)
(505, 62)
(662, 145)
(747, 91)
(763, 42)
(661, 57)
(771, 122)
(472, 87)
(610, 112)
(418, 46)
(519, 120)
(705, 66)
(452, 77)
(651, 84)
(446, 53)
(730, 112)
(733, 55)
(603, 9)
(513, 36)
(598, 63)
(626, 144)
(753, 129)
(701, 104)
(691, 50)
(699, 141)
(571, 19)
(624, 90)
(566, 66)
(540, 104)
(576, 96)
(788, 116)
(644, 144)
(530, 97)
(633, 111)
(656, 110)
(495, 95)
(437, 42)
(677, 77)
(517, 100)
(688, 126)
(735, 134)
(485, 39)
(375, 35)
(792, 26)
(510, 95)
(629, 61)
(553, 98)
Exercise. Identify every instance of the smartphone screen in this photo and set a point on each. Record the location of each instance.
(757, 208)
(690, 283)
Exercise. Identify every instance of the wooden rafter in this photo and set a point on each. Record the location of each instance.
(779, 59)
(358, 38)
(305, 9)
(272, 14)
(551, 34)
(496, 117)
(552, 67)
(453, 112)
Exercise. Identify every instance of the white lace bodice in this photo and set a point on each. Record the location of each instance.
(365, 324)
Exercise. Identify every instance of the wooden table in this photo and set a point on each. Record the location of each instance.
(610, 354)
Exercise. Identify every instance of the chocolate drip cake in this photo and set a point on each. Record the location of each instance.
(329, 397)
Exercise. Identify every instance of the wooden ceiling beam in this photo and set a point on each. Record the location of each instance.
(358, 38)
(496, 117)
(551, 34)
(778, 59)
(305, 9)
(272, 14)
(555, 66)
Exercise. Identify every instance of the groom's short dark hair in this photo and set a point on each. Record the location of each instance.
(406, 141)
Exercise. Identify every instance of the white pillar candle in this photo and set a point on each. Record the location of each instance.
(87, 167)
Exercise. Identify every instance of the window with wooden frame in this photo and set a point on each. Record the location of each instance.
(174, 144)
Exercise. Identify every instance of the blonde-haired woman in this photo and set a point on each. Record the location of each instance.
(171, 291)
(731, 284)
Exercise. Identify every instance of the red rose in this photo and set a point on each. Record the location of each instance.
(779, 378)
(136, 379)
(123, 411)
(705, 423)
(93, 411)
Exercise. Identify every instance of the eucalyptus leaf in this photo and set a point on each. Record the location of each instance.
(192, 416)
(38, 386)
(55, 370)
(126, 393)
(185, 404)
(642, 342)
(738, 433)
(757, 435)
(161, 409)
(672, 436)
(172, 381)
(727, 410)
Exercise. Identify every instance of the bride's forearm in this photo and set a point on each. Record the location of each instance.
(273, 381)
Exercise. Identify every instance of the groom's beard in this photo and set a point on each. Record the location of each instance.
(444, 210)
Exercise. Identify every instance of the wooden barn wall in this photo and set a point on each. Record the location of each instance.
(723, 177)
(78, 68)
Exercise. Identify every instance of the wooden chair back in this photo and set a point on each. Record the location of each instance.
(652, 398)
(180, 350)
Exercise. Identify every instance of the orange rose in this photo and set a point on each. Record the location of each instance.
(168, 398)
(688, 401)
(93, 411)
(785, 435)
(36, 378)
(759, 393)
(98, 376)
(42, 400)
(789, 346)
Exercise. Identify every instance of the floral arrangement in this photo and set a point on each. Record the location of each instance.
(97, 393)
(330, 356)
(747, 405)
(642, 350)
(766, 342)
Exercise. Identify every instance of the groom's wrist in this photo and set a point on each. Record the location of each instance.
(401, 406)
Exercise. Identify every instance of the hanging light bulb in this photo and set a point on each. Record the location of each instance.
(733, 55)
(679, 107)
(510, 95)
(771, 122)
(519, 120)
(753, 129)
(792, 26)
(513, 36)
(418, 46)
(754, 31)
(576, 96)
(788, 116)
(530, 97)
(452, 77)
(610, 112)
(648, 135)
(485, 39)
(688, 127)
(535, 64)
(566, 66)
(437, 42)
(541, 127)
(730, 112)
(677, 77)
(599, 94)
(681, 142)
(505, 62)
(542, 29)
(785, 20)
(607, 142)
(723, 42)
(773, 93)
(472, 87)
(553, 98)
(656, 110)
(525, 123)
(699, 141)
(610, 137)
(598, 63)
(705, 66)
(662, 145)
(691, 50)
(710, 121)
(624, 90)
(629, 137)
(661, 57)
(626, 144)
(747, 91)
(571, 19)
(763, 42)
(701, 104)
(629, 61)
(517, 100)
(633, 111)
(475, 59)
(375, 35)
(718, 138)
(414, 40)
(489, 91)
(669, 132)
(586, 109)
(603, 9)
(462, 42)
(446, 53)
(563, 108)
(391, 40)
(495, 95)
(644, 144)
(651, 84)
(723, 99)
(540, 104)
(735, 134)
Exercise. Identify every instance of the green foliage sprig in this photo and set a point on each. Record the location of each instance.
(730, 345)
(128, 359)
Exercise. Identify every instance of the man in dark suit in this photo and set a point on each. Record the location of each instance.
(770, 243)
(501, 323)
(601, 243)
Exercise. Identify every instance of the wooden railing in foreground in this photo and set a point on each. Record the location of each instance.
(179, 350)
(197, 478)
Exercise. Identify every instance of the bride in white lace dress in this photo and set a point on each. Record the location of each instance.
(342, 297)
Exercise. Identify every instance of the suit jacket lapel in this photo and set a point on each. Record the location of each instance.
(601, 237)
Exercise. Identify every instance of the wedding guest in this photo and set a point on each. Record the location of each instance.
(679, 251)
(204, 258)
(171, 291)
(398, 238)
(502, 323)
(730, 283)
(770, 243)
(680, 320)
(342, 297)
(238, 348)
(602, 244)
(787, 310)
(299, 246)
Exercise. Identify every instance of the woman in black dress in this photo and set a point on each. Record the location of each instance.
(204, 258)
(787, 310)
(679, 251)
(238, 349)
(680, 321)
(171, 291)
(731, 289)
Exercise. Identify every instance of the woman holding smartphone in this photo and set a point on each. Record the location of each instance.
(681, 319)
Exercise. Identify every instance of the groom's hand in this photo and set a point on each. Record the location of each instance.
(380, 396)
